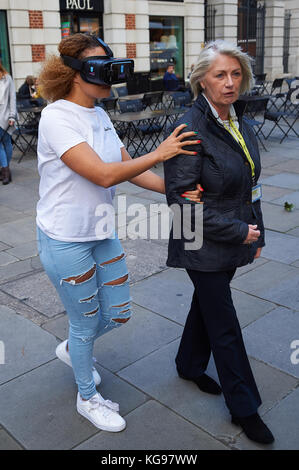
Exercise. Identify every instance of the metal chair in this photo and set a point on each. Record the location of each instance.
(151, 128)
(148, 133)
(275, 96)
(130, 106)
(260, 83)
(25, 136)
(260, 78)
(287, 118)
(109, 104)
(153, 100)
(23, 103)
(291, 101)
(177, 99)
(254, 107)
(119, 91)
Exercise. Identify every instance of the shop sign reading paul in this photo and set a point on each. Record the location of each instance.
(86, 5)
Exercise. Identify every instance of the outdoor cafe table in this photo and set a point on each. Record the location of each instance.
(247, 98)
(138, 96)
(26, 131)
(31, 113)
(143, 131)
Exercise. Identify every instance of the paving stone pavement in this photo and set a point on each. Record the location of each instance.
(136, 362)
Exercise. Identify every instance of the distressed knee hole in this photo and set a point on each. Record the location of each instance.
(117, 282)
(121, 320)
(80, 278)
(113, 260)
(89, 299)
(121, 305)
(92, 313)
(126, 311)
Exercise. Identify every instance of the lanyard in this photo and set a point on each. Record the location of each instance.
(238, 136)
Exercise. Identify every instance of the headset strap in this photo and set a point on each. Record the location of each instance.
(105, 47)
(75, 64)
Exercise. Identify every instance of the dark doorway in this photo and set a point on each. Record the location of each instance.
(251, 31)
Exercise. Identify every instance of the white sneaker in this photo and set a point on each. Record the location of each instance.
(101, 413)
(64, 356)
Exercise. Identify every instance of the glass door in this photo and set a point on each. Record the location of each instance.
(90, 25)
(166, 44)
(4, 44)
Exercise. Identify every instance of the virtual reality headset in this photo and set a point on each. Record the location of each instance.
(102, 70)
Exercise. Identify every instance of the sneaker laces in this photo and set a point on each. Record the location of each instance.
(97, 400)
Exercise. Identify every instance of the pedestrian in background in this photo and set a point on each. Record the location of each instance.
(170, 80)
(8, 112)
(27, 90)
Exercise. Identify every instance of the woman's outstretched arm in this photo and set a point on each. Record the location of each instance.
(86, 162)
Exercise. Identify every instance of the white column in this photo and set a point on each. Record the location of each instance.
(194, 31)
(116, 34)
(226, 19)
(274, 27)
(293, 6)
(21, 36)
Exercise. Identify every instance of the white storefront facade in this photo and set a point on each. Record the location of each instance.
(152, 32)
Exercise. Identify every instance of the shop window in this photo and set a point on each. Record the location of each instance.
(4, 43)
(166, 44)
(72, 23)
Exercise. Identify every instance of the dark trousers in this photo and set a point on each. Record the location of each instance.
(212, 326)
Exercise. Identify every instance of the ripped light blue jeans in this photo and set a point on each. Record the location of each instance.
(93, 283)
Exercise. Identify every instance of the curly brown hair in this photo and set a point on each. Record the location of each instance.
(3, 71)
(56, 79)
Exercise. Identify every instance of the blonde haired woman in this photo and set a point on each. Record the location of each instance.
(8, 113)
(228, 167)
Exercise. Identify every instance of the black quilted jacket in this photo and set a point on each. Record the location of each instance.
(223, 171)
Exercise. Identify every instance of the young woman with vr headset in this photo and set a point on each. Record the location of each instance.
(80, 160)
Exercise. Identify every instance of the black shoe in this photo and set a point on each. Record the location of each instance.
(204, 383)
(6, 175)
(254, 428)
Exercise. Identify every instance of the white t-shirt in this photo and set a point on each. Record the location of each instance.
(68, 209)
